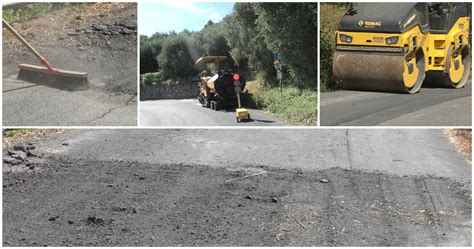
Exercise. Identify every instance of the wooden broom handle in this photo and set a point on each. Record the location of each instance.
(22, 40)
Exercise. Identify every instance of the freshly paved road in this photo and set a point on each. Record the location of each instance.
(188, 112)
(326, 187)
(27, 104)
(429, 107)
(399, 152)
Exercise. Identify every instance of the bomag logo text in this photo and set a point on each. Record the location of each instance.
(369, 23)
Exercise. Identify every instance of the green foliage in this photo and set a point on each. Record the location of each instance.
(17, 132)
(149, 50)
(177, 55)
(248, 48)
(331, 14)
(212, 40)
(291, 29)
(153, 79)
(293, 104)
(149, 79)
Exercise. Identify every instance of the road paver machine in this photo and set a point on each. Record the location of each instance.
(221, 88)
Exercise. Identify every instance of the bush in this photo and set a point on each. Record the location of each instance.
(331, 14)
(149, 79)
(294, 105)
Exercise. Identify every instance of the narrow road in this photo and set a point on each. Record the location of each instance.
(429, 107)
(189, 112)
(240, 188)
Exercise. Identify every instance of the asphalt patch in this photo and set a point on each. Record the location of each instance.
(97, 203)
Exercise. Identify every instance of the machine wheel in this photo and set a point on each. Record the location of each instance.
(456, 72)
(213, 105)
(202, 100)
(238, 120)
(414, 72)
(217, 105)
(458, 67)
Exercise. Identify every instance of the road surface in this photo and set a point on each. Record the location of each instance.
(429, 107)
(275, 187)
(189, 112)
(27, 104)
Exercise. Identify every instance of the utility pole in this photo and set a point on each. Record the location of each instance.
(277, 63)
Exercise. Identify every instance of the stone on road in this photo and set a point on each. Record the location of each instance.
(189, 112)
(429, 107)
(191, 188)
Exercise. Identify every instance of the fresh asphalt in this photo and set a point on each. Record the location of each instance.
(429, 107)
(189, 112)
(393, 151)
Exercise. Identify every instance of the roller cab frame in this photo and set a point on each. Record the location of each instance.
(397, 47)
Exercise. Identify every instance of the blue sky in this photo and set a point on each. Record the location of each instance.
(179, 15)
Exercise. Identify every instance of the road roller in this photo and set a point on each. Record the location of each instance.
(220, 88)
(398, 47)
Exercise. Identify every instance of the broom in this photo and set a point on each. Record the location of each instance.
(47, 74)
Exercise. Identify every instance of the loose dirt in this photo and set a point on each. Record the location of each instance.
(462, 138)
(64, 202)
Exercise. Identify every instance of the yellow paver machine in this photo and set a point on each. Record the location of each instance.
(398, 47)
(221, 88)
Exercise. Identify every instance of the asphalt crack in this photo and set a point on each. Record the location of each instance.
(110, 110)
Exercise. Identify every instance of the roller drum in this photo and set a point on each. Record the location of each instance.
(373, 71)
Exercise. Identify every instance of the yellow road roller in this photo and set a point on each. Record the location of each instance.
(398, 47)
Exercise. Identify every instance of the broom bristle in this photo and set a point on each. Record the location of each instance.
(61, 79)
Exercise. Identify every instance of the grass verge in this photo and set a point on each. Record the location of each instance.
(16, 132)
(296, 106)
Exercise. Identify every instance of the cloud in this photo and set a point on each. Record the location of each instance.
(209, 13)
(156, 14)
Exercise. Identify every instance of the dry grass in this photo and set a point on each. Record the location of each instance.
(462, 139)
(22, 136)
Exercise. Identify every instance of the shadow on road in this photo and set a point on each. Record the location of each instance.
(19, 88)
(251, 120)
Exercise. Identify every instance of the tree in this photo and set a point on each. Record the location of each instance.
(291, 29)
(177, 57)
(248, 49)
